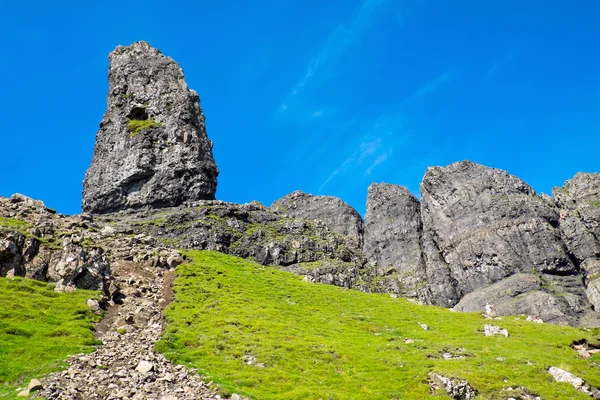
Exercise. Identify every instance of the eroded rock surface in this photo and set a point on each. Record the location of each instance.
(486, 225)
(249, 231)
(72, 251)
(152, 148)
(579, 202)
(335, 214)
(538, 295)
(393, 236)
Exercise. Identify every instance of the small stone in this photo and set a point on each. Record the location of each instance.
(409, 341)
(144, 367)
(34, 385)
(424, 326)
(93, 305)
(23, 393)
(491, 330)
(235, 396)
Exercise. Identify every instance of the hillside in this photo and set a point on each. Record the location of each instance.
(39, 328)
(301, 299)
(270, 335)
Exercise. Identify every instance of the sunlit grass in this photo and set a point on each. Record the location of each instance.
(39, 328)
(324, 342)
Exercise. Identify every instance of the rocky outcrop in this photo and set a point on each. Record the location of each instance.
(537, 295)
(72, 251)
(579, 384)
(393, 236)
(579, 202)
(458, 389)
(335, 214)
(485, 225)
(152, 148)
(248, 230)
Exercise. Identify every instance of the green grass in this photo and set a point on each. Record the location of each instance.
(39, 328)
(324, 342)
(12, 223)
(136, 126)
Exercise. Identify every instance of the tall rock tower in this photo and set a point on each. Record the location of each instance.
(152, 148)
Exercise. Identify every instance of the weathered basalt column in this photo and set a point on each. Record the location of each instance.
(152, 148)
(392, 240)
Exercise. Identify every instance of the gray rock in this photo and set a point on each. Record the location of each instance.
(482, 225)
(579, 202)
(144, 367)
(458, 389)
(532, 294)
(392, 239)
(247, 230)
(152, 148)
(335, 214)
(34, 385)
(492, 330)
(579, 384)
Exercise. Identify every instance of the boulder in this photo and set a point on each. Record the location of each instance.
(531, 294)
(458, 389)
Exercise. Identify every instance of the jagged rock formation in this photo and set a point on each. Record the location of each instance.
(392, 242)
(337, 215)
(579, 202)
(250, 231)
(73, 251)
(483, 236)
(152, 148)
(478, 235)
(489, 225)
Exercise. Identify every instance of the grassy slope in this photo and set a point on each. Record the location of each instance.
(324, 342)
(38, 329)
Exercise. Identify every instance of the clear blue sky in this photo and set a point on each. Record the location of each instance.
(321, 96)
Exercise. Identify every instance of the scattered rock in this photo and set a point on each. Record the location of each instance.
(491, 330)
(561, 375)
(424, 326)
(455, 388)
(34, 385)
(94, 305)
(144, 367)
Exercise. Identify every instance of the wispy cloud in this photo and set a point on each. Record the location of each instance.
(378, 161)
(431, 86)
(335, 46)
(494, 68)
(372, 149)
(386, 133)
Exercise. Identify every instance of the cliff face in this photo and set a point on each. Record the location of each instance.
(152, 148)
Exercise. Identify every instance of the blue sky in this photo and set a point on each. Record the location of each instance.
(324, 97)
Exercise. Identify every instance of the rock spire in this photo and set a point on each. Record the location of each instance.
(152, 148)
